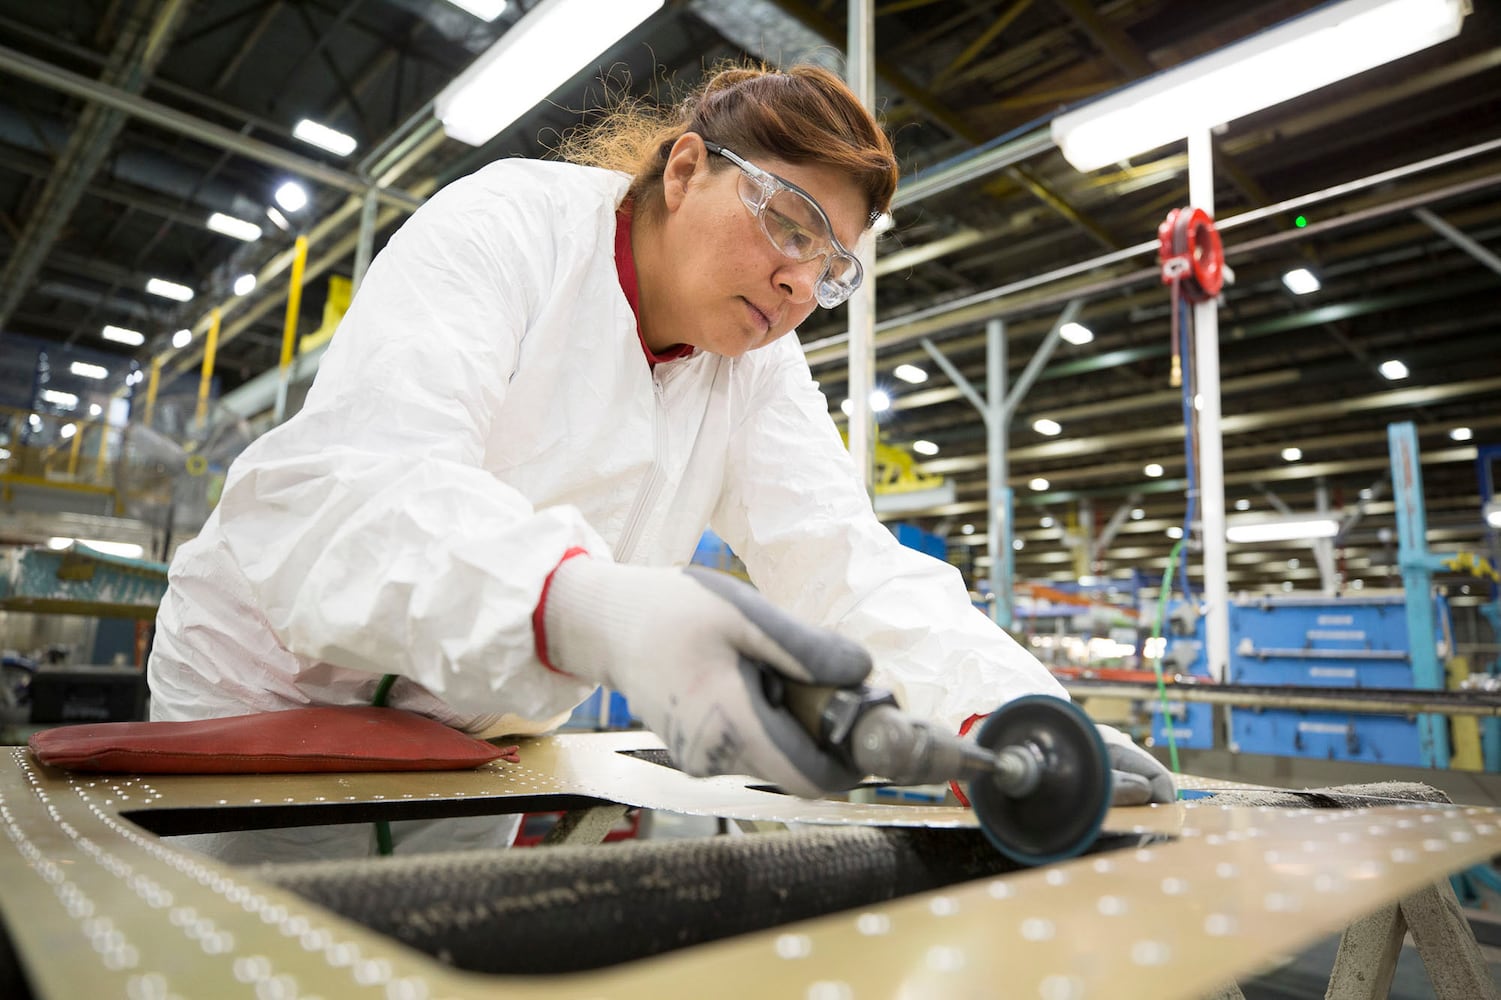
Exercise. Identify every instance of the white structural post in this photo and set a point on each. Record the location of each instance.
(860, 71)
(1002, 528)
(1211, 460)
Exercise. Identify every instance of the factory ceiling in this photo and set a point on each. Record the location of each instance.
(125, 124)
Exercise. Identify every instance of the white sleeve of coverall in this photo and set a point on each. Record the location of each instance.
(794, 512)
(369, 533)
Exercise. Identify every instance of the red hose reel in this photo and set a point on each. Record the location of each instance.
(1192, 256)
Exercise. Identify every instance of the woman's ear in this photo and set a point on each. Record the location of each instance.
(687, 158)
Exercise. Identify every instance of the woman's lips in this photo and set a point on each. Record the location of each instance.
(760, 318)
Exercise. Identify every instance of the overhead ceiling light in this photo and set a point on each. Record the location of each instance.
(182, 338)
(291, 196)
(1076, 333)
(540, 52)
(245, 284)
(1301, 281)
(1018, 544)
(95, 409)
(169, 289)
(1461, 434)
(968, 529)
(485, 10)
(1175, 532)
(67, 430)
(1291, 454)
(925, 447)
(63, 400)
(1288, 529)
(1493, 515)
(1047, 521)
(1137, 513)
(320, 135)
(231, 226)
(279, 219)
(880, 402)
(86, 370)
(1242, 505)
(1039, 484)
(1152, 471)
(1043, 425)
(120, 335)
(1392, 370)
(1299, 55)
(910, 373)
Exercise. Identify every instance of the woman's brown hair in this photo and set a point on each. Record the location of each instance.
(805, 114)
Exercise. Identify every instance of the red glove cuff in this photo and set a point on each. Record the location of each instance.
(539, 613)
(964, 729)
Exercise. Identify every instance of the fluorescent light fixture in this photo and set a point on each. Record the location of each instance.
(63, 400)
(34, 420)
(95, 409)
(320, 135)
(67, 430)
(182, 338)
(4, 454)
(1175, 532)
(1152, 471)
(485, 10)
(120, 335)
(880, 402)
(1242, 505)
(1291, 454)
(1137, 513)
(540, 52)
(127, 550)
(910, 373)
(1039, 484)
(231, 226)
(169, 289)
(1301, 281)
(291, 196)
(1461, 434)
(925, 447)
(1043, 425)
(968, 529)
(86, 370)
(245, 284)
(1288, 529)
(1299, 55)
(276, 217)
(1393, 370)
(1018, 544)
(1493, 515)
(1076, 333)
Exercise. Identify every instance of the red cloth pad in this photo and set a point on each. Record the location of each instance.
(353, 738)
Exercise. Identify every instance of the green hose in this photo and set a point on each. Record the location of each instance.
(1163, 595)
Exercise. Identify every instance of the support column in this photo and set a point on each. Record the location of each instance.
(860, 73)
(1211, 455)
(1001, 528)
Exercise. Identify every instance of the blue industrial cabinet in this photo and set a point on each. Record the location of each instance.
(914, 537)
(1347, 642)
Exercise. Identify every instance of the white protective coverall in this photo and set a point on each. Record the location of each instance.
(486, 405)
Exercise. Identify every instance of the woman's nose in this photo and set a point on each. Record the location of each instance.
(800, 278)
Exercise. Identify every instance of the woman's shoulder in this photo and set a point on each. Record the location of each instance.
(555, 184)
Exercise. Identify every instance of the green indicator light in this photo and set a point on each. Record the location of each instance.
(1301, 221)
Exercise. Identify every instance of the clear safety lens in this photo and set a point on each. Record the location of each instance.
(798, 228)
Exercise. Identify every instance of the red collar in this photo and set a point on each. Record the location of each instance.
(625, 263)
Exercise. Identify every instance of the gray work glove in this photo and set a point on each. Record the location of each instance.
(690, 650)
(1137, 776)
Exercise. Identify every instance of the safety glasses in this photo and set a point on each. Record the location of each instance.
(797, 227)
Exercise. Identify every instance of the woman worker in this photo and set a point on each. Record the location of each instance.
(551, 380)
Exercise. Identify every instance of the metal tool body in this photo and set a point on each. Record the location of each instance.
(1038, 772)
